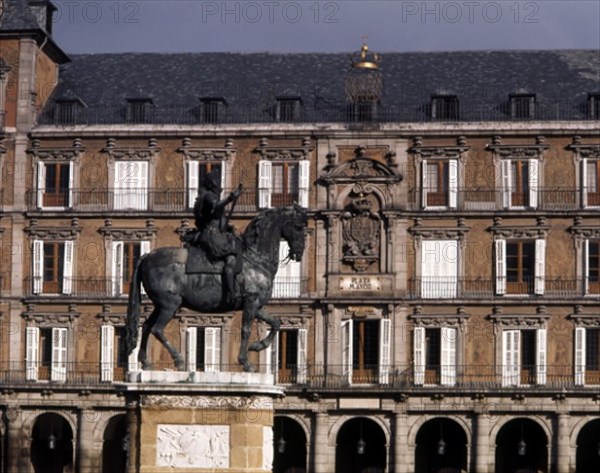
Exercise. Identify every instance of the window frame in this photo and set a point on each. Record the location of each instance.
(129, 191)
(445, 374)
(531, 194)
(59, 353)
(445, 107)
(502, 267)
(212, 348)
(64, 270)
(586, 194)
(512, 371)
(447, 183)
(266, 182)
(42, 176)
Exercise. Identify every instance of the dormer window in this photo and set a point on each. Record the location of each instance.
(444, 107)
(594, 106)
(212, 109)
(522, 106)
(288, 108)
(362, 111)
(138, 109)
(65, 110)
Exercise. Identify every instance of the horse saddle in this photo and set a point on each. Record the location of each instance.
(199, 262)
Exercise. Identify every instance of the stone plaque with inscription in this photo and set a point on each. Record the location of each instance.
(360, 283)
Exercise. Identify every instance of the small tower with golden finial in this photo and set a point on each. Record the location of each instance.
(364, 82)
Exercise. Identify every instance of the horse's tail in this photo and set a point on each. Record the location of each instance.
(133, 309)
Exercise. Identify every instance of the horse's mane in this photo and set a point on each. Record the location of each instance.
(257, 225)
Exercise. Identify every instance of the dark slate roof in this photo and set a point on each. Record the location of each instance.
(250, 83)
(17, 16)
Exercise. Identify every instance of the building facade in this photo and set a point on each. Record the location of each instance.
(445, 315)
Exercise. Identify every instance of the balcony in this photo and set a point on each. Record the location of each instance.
(485, 288)
(142, 200)
(80, 287)
(550, 199)
(290, 288)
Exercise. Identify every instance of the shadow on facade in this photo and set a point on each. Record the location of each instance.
(441, 447)
(588, 448)
(361, 447)
(521, 447)
(290, 446)
(52, 445)
(114, 446)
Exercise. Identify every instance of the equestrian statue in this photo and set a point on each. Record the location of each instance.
(216, 271)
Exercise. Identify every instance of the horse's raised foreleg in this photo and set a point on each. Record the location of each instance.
(273, 322)
(250, 309)
(161, 316)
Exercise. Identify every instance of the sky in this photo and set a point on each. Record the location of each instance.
(82, 26)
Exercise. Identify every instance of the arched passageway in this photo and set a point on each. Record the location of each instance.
(521, 447)
(441, 447)
(52, 445)
(588, 448)
(115, 444)
(361, 447)
(289, 445)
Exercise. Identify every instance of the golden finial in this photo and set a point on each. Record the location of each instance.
(366, 60)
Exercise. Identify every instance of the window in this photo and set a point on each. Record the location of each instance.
(439, 269)
(125, 257)
(55, 185)
(523, 357)
(283, 183)
(594, 106)
(138, 110)
(52, 267)
(204, 348)
(46, 353)
(64, 112)
(520, 183)
(445, 107)
(439, 183)
(210, 111)
(587, 356)
(591, 183)
(434, 356)
(522, 106)
(197, 171)
(287, 357)
(520, 266)
(592, 266)
(288, 109)
(288, 279)
(362, 111)
(366, 351)
(114, 360)
(131, 185)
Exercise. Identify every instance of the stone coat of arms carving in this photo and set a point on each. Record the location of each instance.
(360, 231)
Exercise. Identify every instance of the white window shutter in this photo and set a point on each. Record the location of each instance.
(301, 364)
(191, 348)
(117, 268)
(38, 266)
(385, 336)
(579, 356)
(71, 183)
(107, 353)
(272, 355)
(586, 266)
(500, 267)
(224, 192)
(506, 183)
(142, 185)
(534, 177)
(58, 367)
(453, 183)
(424, 184)
(193, 182)
(448, 356)
(347, 339)
(540, 356)
(32, 342)
(265, 182)
(419, 355)
(41, 183)
(303, 183)
(118, 188)
(540, 266)
(511, 358)
(144, 249)
(430, 256)
(212, 349)
(133, 363)
(68, 267)
(584, 182)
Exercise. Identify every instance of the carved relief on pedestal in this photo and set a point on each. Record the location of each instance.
(192, 446)
(361, 229)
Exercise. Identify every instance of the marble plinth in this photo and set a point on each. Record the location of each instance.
(200, 422)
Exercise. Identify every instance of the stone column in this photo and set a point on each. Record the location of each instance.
(482, 443)
(131, 421)
(13, 440)
(85, 444)
(321, 445)
(563, 448)
(400, 443)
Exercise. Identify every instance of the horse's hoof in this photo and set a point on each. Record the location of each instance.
(180, 365)
(146, 366)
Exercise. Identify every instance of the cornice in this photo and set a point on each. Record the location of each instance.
(50, 318)
(538, 231)
(118, 233)
(518, 150)
(197, 153)
(284, 153)
(439, 151)
(537, 320)
(208, 320)
(439, 320)
(584, 151)
(584, 231)
(439, 233)
(56, 154)
(47, 232)
(584, 320)
(130, 153)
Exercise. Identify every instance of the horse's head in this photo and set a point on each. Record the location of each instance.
(294, 230)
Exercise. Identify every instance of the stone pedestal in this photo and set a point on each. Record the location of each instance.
(200, 422)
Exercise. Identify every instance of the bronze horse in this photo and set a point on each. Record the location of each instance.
(163, 273)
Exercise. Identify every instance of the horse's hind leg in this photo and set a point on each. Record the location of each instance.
(273, 322)
(162, 316)
(250, 309)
